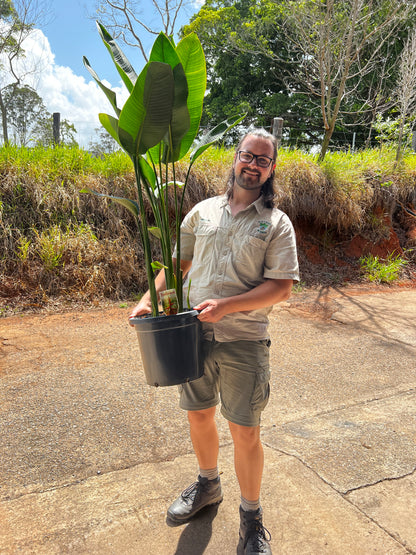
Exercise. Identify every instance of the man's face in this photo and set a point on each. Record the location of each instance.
(249, 175)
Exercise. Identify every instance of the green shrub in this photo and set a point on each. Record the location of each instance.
(382, 270)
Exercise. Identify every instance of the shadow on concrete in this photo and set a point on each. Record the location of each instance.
(386, 317)
(197, 534)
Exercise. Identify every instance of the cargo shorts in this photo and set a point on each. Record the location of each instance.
(237, 373)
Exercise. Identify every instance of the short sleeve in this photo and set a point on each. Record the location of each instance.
(281, 260)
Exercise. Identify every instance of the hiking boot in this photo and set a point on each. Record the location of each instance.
(254, 537)
(198, 495)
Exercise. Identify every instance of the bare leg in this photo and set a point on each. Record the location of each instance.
(204, 437)
(248, 459)
(205, 491)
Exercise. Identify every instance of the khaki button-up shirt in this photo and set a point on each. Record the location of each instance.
(233, 254)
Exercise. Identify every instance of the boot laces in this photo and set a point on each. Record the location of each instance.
(257, 536)
(190, 493)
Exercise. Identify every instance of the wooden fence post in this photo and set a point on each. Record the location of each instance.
(56, 127)
(278, 130)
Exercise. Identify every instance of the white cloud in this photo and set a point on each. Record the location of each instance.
(77, 100)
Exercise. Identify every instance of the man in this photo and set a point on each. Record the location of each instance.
(239, 254)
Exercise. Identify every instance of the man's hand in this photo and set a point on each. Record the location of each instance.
(266, 294)
(212, 310)
(144, 307)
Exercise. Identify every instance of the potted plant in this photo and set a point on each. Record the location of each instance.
(157, 127)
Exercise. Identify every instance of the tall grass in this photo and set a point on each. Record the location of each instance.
(61, 162)
(55, 241)
(345, 190)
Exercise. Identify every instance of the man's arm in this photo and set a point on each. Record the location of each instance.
(145, 305)
(270, 292)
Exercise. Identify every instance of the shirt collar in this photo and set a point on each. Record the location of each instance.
(258, 204)
(223, 201)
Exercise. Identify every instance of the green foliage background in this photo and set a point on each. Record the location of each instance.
(59, 246)
(253, 65)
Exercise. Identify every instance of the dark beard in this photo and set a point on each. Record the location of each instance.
(248, 182)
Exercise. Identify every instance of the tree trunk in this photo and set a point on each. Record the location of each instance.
(400, 140)
(4, 121)
(370, 130)
(325, 141)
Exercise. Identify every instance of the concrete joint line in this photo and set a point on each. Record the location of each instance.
(390, 534)
(344, 407)
(85, 480)
(344, 494)
(42, 491)
(74, 483)
(392, 479)
(297, 457)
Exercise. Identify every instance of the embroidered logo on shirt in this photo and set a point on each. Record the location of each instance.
(263, 227)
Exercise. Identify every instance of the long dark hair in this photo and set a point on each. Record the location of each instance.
(267, 189)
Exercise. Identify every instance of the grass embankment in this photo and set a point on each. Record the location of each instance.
(57, 243)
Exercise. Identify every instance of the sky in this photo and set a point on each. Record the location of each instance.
(64, 84)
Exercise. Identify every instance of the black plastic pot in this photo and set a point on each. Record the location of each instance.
(170, 347)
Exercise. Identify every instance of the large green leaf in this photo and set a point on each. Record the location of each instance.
(192, 59)
(127, 142)
(122, 64)
(147, 172)
(180, 114)
(156, 153)
(164, 51)
(110, 124)
(214, 135)
(111, 95)
(158, 99)
(147, 113)
(127, 203)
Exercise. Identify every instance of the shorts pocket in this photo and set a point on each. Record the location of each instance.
(244, 378)
(261, 391)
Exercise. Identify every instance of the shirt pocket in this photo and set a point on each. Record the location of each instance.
(250, 257)
(205, 236)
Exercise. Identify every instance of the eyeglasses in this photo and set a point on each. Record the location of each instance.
(261, 161)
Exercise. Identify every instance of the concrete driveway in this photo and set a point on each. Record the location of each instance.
(91, 456)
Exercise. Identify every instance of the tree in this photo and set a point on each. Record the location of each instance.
(43, 131)
(24, 108)
(406, 88)
(104, 144)
(125, 19)
(336, 44)
(28, 118)
(327, 64)
(239, 80)
(18, 20)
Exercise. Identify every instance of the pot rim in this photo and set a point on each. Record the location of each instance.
(162, 317)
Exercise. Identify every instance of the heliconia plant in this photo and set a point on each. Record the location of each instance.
(158, 126)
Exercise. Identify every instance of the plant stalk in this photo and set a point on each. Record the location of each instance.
(144, 233)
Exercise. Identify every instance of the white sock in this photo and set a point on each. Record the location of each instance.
(210, 473)
(247, 505)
